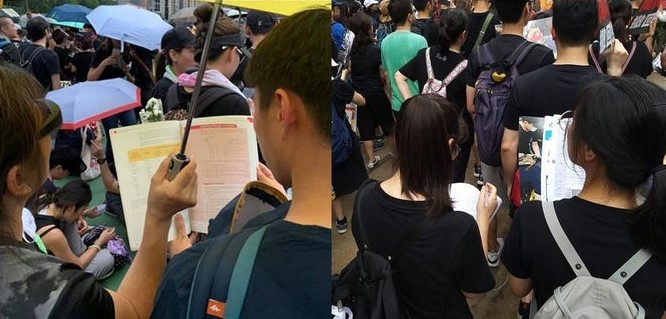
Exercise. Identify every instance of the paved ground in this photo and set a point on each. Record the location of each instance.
(497, 304)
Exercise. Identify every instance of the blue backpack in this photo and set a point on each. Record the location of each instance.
(341, 138)
(491, 96)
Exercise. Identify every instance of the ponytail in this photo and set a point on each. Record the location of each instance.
(620, 11)
(650, 218)
(452, 24)
(161, 62)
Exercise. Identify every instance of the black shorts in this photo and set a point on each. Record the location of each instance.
(376, 112)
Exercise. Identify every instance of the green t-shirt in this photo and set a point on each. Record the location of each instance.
(398, 48)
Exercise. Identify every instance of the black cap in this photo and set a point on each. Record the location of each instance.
(259, 19)
(176, 38)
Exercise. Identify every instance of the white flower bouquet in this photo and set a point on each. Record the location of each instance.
(152, 112)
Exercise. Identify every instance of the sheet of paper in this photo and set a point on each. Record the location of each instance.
(225, 148)
(646, 13)
(138, 152)
(538, 31)
(563, 179)
(465, 198)
(606, 34)
(530, 148)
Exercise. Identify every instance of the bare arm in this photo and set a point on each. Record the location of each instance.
(56, 242)
(382, 76)
(470, 100)
(403, 87)
(95, 73)
(520, 287)
(358, 99)
(110, 182)
(509, 156)
(55, 81)
(135, 296)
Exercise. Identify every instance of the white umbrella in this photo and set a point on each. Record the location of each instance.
(130, 24)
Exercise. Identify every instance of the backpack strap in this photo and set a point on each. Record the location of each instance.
(455, 72)
(628, 59)
(484, 56)
(631, 266)
(431, 74)
(595, 59)
(563, 241)
(482, 32)
(521, 52)
(32, 56)
(209, 97)
(240, 278)
(357, 208)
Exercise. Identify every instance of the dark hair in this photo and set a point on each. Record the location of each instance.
(399, 10)
(575, 21)
(223, 26)
(510, 11)
(75, 194)
(66, 157)
(421, 5)
(360, 24)
(452, 24)
(300, 42)
(422, 131)
(623, 121)
(36, 28)
(59, 36)
(85, 41)
(620, 11)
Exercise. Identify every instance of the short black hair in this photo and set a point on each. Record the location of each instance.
(68, 158)
(399, 10)
(420, 5)
(575, 21)
(36, 28)
(510, 11)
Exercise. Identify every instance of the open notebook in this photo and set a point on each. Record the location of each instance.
(465, 196)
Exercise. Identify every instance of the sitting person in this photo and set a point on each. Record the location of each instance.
(64, 162)
(57, 225)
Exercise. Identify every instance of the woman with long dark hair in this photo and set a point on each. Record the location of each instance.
(445, 60)
(617, 137)
(368, 79)
(445, 262)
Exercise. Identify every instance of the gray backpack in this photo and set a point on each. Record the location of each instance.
(586, 296)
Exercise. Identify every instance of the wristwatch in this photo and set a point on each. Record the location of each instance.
(101, 161)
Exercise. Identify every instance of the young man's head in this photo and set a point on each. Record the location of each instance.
(574, 22)
(423, 6)
(38, 28)
(65, 161)
(513, 11)
(258, 23)
(291, 76)
(401, 11)
(7, 28)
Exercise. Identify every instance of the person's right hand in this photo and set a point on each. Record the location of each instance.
(106, 235)
(111, 60)
(166, 197)
(97, 149)
(615, 55)
(265, 175)
(182, 241)
(487, 203)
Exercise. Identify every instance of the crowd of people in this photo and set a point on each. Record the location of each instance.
(447, 84)
(51, 269)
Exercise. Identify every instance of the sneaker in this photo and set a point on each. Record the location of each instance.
(477, 171)
(341, 225)
(494, 257)
(373, 162)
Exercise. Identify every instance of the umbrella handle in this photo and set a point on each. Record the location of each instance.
(178, 162)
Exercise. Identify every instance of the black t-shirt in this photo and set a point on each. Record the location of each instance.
(640, 63)
(81, 62)
(365, 69)
(428, 29)
(291, 276)
(44, 64)
(446, 259)
(501, 48)
(442, 64)
(602, 237)
(49, 288)
(65, 59)
(341, 94)
(550, 90)
(111, 71)
(526, 147)
(161, 88)
(474, 23)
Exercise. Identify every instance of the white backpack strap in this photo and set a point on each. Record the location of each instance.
(455, 72)
(631, 266)
(563, 241)
(431, 74)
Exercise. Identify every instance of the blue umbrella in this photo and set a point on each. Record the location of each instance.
(91, 101)
(130, 24)
(70, 13)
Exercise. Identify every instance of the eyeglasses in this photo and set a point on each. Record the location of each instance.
(53, 118)
(240, 53)
(565, 120)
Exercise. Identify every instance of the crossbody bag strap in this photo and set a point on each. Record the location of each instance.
(628, 59)
(484, 27)
(357, 209)
(521, 53)
(431, 73)
(455, 72)
(563, 241)
(631, 266)
(240, 278)
(594, 59)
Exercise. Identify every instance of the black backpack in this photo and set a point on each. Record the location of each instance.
(365, 286)
(27, 63)
(9, 52)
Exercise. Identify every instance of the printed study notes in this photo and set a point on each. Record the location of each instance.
(225, 148)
